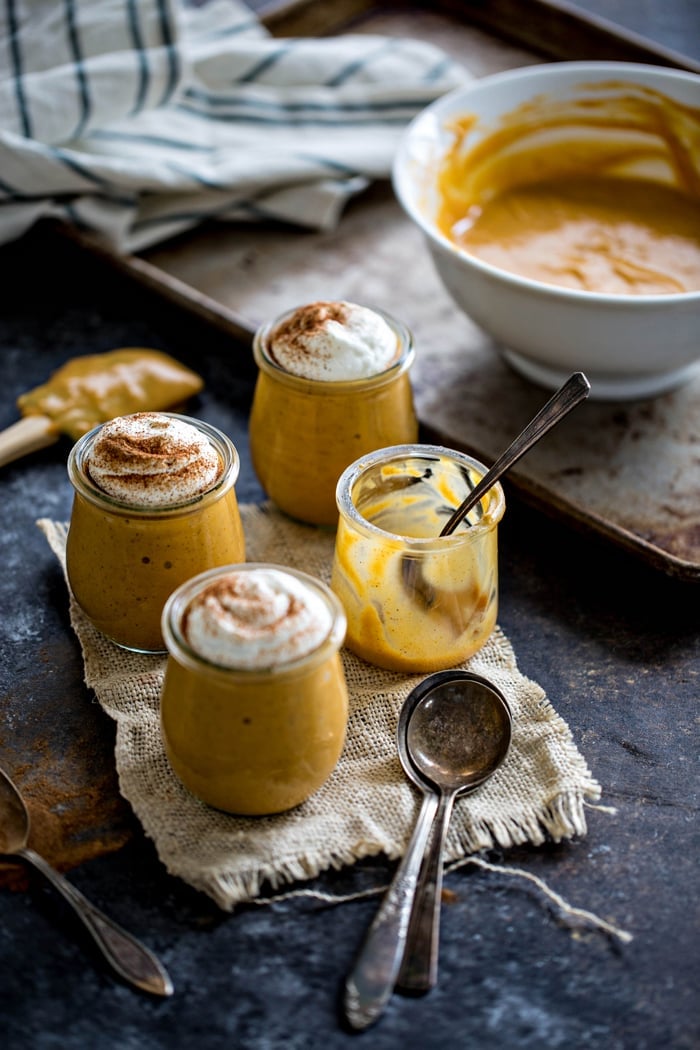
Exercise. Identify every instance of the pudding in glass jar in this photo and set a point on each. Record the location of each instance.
(333, 384)
(154, 504)
(254, 704)
(414, 600)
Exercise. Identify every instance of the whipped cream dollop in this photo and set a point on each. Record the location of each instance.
(333, 341)
(255, 619)
(149, 459)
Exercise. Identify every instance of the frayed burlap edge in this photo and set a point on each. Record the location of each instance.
(367, 807)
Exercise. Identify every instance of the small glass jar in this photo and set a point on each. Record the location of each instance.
(123, 561)
(253, 742)
(305, 432)
(416, 601)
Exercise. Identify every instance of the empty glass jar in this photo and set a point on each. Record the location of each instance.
(416, 601)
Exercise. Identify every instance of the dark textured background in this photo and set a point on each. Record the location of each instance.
(614, 644)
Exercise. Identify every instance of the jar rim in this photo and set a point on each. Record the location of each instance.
(182, 651)
(355, 471)
(402, 363)
(86, 487)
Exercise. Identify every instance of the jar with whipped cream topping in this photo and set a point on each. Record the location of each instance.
(254, 702)
(154, 504)
(333, 384)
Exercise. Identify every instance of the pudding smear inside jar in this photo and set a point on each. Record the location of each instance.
(333, 384)
(154, 504)
(416, 601)
(254, 704)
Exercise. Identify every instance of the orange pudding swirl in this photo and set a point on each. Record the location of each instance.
(598, 194)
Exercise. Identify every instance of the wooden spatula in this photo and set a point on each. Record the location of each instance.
(92, 389)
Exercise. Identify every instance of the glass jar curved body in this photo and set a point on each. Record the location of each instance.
(305, 432)
(253, 742)
(123, 561)
(416, 601)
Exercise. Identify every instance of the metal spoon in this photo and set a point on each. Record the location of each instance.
(126, 955)
(454, 731)
(454, 741)
(571, 393)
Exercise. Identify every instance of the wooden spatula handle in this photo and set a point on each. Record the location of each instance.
(25, 436)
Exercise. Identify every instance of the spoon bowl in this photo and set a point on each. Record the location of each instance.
(14, 818)
(135, 963)
(454, 731)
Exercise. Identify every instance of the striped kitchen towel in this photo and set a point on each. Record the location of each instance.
(139, 119)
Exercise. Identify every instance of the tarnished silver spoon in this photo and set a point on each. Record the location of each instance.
(571, 393)
(454, 731)
(135, 963)
(454, 761)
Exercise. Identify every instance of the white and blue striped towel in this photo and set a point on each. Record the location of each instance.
(139, 119)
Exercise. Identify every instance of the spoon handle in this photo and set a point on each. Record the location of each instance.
(126, 955)
(371, 982)
(419, 967)
(574, 390)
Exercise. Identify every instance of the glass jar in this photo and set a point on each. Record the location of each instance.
(305, 432)
(416, 601)
(253, 742)
(123, 561)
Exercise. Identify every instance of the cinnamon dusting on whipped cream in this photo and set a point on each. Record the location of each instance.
(333, 341)
(255, 619)
(150, 459)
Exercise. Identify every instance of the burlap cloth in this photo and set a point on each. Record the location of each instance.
(368, 806)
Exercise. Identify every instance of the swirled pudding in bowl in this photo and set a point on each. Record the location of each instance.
(561, 206)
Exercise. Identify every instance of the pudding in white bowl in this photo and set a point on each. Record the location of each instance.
(561, 207)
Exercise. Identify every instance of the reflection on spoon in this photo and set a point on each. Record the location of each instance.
(454, 731)
(127, 956)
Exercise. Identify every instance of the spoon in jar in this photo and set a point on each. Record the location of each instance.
(571, 393)
(454, 731)
(126, 955)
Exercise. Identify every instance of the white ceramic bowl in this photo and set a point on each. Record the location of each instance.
(629, 346)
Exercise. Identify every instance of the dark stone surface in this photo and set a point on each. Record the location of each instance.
(614, 645)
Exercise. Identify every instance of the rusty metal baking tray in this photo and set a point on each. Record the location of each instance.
(628, 471)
